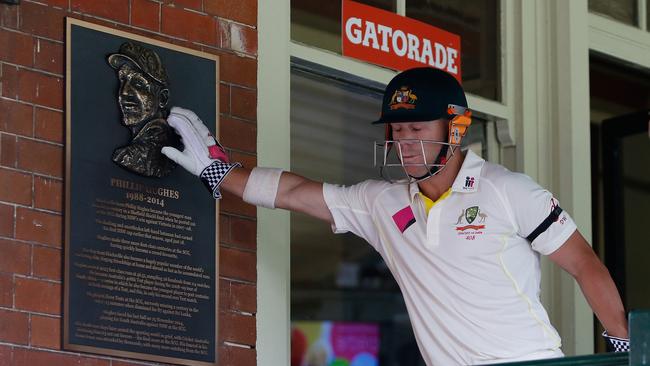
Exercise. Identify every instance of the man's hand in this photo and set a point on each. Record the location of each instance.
(201, 148)
(202, 156)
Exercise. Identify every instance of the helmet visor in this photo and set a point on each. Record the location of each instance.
(395, 167)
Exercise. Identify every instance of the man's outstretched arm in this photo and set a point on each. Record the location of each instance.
(294, 193)
(203, 156)
(576, 257)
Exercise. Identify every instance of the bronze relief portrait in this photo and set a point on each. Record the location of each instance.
(143, 98)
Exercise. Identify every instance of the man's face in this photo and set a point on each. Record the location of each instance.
(410, 150)
(138, 96)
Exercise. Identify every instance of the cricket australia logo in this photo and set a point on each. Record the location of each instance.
(471, 222)
(403, 98)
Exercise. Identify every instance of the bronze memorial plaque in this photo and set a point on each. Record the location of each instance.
(141, 258)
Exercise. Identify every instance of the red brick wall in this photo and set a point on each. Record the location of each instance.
(32, 163)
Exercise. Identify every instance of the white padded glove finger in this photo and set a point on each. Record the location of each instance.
(196, 156)
(177, 157)
(203, 156)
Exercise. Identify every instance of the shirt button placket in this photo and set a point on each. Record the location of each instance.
(433, 227)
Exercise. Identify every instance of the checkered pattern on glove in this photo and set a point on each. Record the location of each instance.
(615, 344)
(213, 175)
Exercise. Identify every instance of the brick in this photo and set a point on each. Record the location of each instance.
(224, 33)
(189, 4)
(233, 204)
(247, 160)
(16, 257)
(239, 70)
(238, 264)
(49, 56)
(16, 48)
(89, 361)
(124, 363)
(145, 14)
(243, 39)
(15, 187)
(6, 290)
(16, 117)
(48, 125)
(45, 332)
(243, 233)
(243, 297)
(8, 153)
(105, 22)
(47, 263)
(48, 194)
(237, 356)
(189, 25)
(30, 357)
(35, 87)
(9, 16)
(237, 328)
(224, 294)
(8, 81)
(244, 103)
(40, 157)
(224, 228)
(42, 20)
(40, 227)
(109, 9)
(6, 356)
(39, 296)
(64, 4)
(224, 99)
(14, 327)
(237, 296)
(6, 220)
(236, 134)
(243, 11)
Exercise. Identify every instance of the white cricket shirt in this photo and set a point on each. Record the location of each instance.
(469, 278)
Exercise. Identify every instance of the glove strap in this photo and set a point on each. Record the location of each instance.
(615, 344)
(214, 174)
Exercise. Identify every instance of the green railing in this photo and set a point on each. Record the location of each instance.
(639, 324)
(603, 359)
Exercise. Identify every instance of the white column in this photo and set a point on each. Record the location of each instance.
(273, 235)
(552, 132)
(572, 155)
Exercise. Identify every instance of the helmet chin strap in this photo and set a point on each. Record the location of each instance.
(439, 164)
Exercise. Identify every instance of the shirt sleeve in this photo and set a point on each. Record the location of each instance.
(351, 209)
(531, 206)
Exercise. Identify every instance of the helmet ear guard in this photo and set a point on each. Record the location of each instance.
(461, 119)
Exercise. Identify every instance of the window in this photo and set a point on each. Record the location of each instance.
(477, 24)
(624, 11)
(318, 24)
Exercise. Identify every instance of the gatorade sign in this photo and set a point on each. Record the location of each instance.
(390, 40)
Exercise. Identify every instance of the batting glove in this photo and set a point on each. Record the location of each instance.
(202, 156)
(615, 344)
